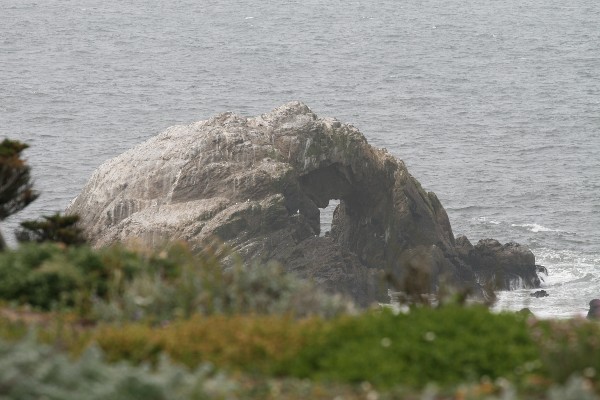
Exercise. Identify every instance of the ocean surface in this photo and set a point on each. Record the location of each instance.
(493, 105)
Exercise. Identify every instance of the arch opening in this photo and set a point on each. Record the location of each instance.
(326, 216)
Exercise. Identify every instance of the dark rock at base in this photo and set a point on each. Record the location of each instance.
(594, 312)
(504, 267)
(540, 293)
(258, 184)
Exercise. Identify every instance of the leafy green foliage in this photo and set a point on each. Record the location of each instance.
(52, 228)
(31, 370)
(50, 276)
(253, 343)
(447, 346)
(116, 284)
(250, 320)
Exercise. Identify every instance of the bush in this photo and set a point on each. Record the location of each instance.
(241, 342)
(464, 352)
(32, 371)
(117, 284)
(207, 289)
(447, 346)
(49, 276)
(181, 283)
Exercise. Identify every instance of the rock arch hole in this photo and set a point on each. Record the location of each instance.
(326, 216)
(323, 188)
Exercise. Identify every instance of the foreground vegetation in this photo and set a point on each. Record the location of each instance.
(172, 323)
(169, 323)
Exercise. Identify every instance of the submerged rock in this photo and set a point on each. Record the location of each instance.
(539, 293)
(259, 183)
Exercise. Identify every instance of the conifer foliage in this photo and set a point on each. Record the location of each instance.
(16, 189)
(52, 228)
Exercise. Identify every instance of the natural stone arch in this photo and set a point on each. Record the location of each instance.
(383, 210)
(259, 183)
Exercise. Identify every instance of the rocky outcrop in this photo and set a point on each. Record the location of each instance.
(594, 311)
(509, 266)
(539, 293)
(259, 184)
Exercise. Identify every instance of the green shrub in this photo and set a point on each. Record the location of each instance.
(35, 276)
(252, 343)
(118, 284)
(448, 346)
(49, 275)
(465, 352)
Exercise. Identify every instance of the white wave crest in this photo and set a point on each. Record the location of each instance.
(535, 228)
(486, 220)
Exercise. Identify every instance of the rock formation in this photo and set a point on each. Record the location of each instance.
(509, 266)
(259, 183)
(539, 293)
(594, 311)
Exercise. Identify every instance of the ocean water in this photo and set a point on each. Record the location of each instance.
(493, 105)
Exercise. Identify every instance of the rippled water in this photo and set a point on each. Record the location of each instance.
(494, 105)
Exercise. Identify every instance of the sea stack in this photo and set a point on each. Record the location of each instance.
(258, 184)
